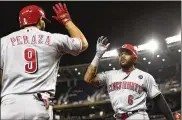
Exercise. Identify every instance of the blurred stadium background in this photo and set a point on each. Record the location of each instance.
(120, 21)
(76, 100)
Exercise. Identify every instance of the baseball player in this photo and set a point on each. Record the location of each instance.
(30, 61)
(128, 87)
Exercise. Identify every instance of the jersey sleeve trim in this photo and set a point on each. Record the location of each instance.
(155, 95)
(75, 53)
(102, 78)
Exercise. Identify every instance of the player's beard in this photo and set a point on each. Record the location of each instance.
(128, 65)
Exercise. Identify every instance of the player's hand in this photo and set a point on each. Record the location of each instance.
(62, 14)
(102, 45)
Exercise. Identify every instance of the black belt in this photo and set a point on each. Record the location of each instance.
(124, 116)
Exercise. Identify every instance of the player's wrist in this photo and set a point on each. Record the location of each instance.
(69, 25)
(65, 19)
(95, 61)
(99, 55)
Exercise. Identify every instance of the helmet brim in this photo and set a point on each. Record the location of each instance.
(126, 49)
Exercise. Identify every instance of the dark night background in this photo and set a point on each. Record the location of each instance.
(121, 21)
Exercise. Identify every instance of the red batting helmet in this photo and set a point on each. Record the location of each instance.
(30, 15)
(130, 48)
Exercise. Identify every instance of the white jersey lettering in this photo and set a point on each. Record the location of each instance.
(128, 92)
(30, 60)
(35, 39)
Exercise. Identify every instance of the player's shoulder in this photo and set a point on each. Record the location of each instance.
(55, 35)
(60, 36)
(47, 33)
(111, 72)
(143, 73)
(12, 34)
(43, 32)
(6, 37)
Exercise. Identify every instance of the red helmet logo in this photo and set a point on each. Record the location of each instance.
(131, 48)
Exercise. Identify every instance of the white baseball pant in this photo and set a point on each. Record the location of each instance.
(24, 106)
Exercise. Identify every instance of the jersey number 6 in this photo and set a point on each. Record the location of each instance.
(30, 56)
(130, 99)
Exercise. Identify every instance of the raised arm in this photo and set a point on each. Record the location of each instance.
(91, 76)
(63, 16)
(75, 32)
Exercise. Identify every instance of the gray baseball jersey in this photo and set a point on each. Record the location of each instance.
(128, 91)
(30, 60)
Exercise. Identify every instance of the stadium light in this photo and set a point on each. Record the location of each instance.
(92, 107)
(144, 58)
(101, 113)
(76, 69)
(113, 68)
(58, 75)
(158, 55)
(110, 64)
(179, 50)
(151, 45)
(57, 117)
(140, 47)
(173, 39)
(163, 60)
(149, 62)
(79, 73)
(111, 53)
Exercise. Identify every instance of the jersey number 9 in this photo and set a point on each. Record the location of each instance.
(30, 56)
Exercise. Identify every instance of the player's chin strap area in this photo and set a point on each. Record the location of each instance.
(44, 97)
(124, 116)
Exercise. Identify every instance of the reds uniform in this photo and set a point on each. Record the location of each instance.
(30, 62)
(128, 87)
(128, 91)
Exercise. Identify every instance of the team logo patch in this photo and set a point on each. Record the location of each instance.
(140, 76)
(124, 46)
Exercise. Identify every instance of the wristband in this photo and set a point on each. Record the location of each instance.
(95, 61)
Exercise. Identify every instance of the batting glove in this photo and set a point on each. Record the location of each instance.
(62, 14)
(102, 46)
